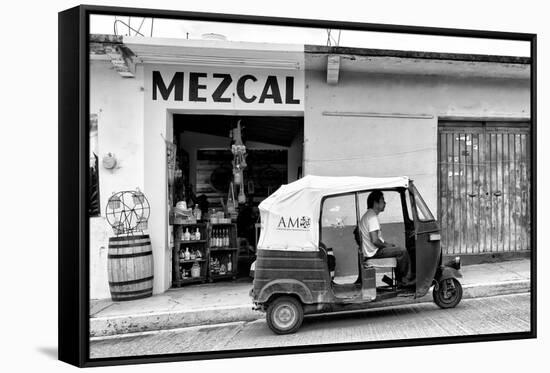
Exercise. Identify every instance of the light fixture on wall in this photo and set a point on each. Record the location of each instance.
(109, 161)
(215, 53)
(333, 69)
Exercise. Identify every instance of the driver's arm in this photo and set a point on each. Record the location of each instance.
(375, 239)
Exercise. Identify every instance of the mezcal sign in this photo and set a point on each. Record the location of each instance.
(227, 88)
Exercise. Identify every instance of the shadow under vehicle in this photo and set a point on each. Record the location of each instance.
(309, 259)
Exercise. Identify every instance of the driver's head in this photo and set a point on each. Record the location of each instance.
(375, 201)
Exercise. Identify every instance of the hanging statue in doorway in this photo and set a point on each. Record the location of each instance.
(239, 160)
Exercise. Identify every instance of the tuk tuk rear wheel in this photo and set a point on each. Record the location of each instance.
(285, 315)
(448, 293)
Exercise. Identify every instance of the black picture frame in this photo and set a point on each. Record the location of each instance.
(73, 180)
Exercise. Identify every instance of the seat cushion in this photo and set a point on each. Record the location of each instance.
(382, 262)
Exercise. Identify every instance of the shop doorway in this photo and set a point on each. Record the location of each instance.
(484, 182)
(204, 166)
(274, 154)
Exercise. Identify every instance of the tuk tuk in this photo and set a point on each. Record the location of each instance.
(309, 260)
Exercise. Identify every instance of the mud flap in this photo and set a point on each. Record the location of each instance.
(445, 272)
(368, 287)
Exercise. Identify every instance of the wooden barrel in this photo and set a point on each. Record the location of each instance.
(130, 267)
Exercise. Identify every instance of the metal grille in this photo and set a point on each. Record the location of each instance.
(484, 183)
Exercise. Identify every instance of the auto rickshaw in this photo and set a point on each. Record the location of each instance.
(309, 260)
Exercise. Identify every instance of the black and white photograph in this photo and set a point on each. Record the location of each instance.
(255, 186)
(262, 187)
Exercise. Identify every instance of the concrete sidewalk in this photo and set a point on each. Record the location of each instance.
(223, 302)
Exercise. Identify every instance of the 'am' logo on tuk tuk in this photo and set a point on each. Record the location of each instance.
(294, 223)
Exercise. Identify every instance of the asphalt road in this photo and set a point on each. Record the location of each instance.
(501, 314)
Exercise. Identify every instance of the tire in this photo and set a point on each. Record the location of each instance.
(285, 315)
(448, 293)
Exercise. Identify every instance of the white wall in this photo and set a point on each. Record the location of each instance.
(118, 102)
(376, 146)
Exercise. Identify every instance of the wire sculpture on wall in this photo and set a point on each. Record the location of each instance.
(127, 212)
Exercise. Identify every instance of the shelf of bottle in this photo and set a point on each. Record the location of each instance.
(191, 242)
(190, 224)
(226, 274)
(223, 248)
(188, 280)
(191, 260)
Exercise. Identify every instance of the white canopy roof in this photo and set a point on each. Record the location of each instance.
(290, 216)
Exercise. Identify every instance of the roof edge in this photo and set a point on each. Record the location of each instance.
(106, 38)
(320, 49)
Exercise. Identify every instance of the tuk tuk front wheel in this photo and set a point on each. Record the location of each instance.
(285, 315)
(448, 293)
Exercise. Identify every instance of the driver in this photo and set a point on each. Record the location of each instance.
(373, 244)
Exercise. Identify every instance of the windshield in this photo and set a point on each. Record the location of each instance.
(422, 209)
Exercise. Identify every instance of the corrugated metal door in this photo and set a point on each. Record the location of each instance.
(483, 186)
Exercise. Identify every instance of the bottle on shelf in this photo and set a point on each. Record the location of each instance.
(197, 234)
(186, 235)
(187, 254)
(229, 264)
(227, 237)
(196, 270)
(197, 212)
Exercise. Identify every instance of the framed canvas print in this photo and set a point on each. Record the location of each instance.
(237, 186)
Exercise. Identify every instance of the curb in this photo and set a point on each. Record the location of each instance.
(496, 288)
(136, 323)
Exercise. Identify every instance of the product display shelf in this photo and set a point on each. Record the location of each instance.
(223, 257)
(182, 265)
(189, 281)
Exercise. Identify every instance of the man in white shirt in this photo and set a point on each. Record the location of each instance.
(373, 244)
